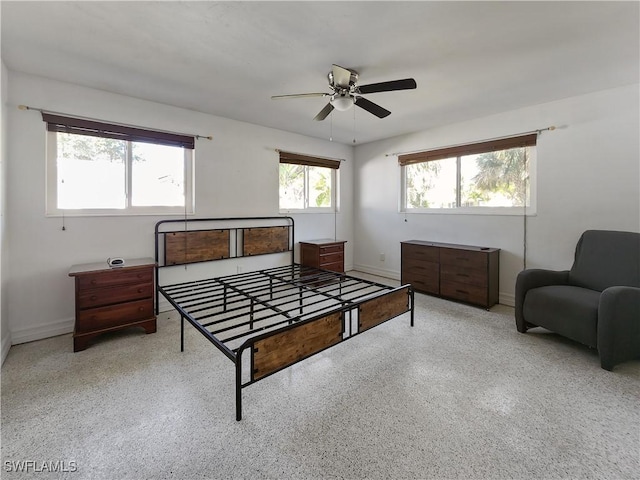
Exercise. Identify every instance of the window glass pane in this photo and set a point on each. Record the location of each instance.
(291, 186)
(91, 172)
(157, 175)
(431, 184)
(495, 179)
(319, 187)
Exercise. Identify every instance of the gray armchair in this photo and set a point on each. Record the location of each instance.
(596, 303)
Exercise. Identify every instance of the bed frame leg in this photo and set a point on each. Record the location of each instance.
(182, 333)
(239, 386)
(412, 305)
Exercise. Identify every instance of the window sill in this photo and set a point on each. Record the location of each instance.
(496, 211)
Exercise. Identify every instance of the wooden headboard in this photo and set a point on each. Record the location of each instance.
(184, 241)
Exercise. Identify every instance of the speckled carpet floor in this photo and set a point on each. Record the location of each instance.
(460, 395)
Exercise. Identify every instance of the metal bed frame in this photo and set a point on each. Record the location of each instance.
(278, 315)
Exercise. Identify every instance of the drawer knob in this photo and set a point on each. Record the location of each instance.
(93, 282)
(94, 298)
(139, 290)
(463, 275)
(141, 309)
(462, 291)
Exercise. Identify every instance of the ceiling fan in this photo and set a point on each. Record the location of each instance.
(346, 92)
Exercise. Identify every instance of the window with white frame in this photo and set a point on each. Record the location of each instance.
(94, 168)
(307, 183)
(486, 176)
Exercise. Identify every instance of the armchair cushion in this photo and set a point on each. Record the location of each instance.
(564, 309)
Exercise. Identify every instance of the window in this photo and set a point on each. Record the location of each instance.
(95, 168)
(481, 176)
(307, 183)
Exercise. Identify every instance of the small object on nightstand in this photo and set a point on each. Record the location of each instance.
(326, 254)
(112, 298)
(115, 262)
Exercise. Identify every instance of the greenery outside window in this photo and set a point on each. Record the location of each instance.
(486, 177)
(307, 183)
(102, 169)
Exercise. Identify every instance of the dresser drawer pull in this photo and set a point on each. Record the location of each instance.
(93, 282)
(463, 275)
(462, 258)
(140, 290)
(462, 291)
(141, 309)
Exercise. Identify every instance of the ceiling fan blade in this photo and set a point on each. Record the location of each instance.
(341, 76)
(324, 112)
(371, 107)
(299, 95)
(405, 84)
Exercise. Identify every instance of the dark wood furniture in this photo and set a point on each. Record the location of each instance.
(112, 298)
(326, 254)
(457, 272)
(271, 318)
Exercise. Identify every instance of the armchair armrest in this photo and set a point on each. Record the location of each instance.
(534, 278)
(618, 325)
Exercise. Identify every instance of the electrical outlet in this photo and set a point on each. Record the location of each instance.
(382, 257)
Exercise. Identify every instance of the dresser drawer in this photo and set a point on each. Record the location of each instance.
(464, 292)
(463, 258)
(419, 252)
(113, 316)
(115, 277)
(108, 295)
(463, 275)
(422, 283)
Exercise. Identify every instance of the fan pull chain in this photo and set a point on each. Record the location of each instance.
(354, 124)
(331, 127)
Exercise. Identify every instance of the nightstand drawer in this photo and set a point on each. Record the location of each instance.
(331, 258)
(113, 316)
(105, 296)
(336, 248)
(116, 276)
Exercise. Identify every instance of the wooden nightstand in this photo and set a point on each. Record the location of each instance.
(326, 254)
(109, 299)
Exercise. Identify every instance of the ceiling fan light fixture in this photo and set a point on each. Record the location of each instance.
(342, 102)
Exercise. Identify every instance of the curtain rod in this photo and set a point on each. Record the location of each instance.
(309, 155)
(25, 107)
(551, 128)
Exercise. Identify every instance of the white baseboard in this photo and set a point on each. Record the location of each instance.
(6, 345)
(377, 271)
(38, 332)
(507, 299)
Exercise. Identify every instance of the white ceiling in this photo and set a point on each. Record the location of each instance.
(469, 59)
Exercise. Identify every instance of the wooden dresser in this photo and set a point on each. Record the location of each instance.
(326, 254)
(458, 272)
(110, 299)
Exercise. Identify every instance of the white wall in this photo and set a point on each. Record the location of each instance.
(5, 333)
(588, 177)
(236, 175)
